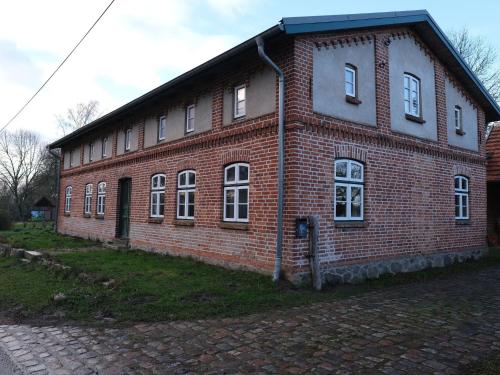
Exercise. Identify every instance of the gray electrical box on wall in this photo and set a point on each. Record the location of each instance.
(301, 227)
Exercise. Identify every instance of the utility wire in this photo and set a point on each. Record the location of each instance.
(57, 69)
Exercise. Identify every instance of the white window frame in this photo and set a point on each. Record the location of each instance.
(128, 136)
(104, 149)
(87, 205)
(237, 185)
(157, 191)
(458, 118)
(101, 198)
(408, 79)
(351, 69)
(190, 118)
(185, 189)
(348, 182)
(91, 152)
(162, 128)
(463, 196)
(67, 199)
(238, 114)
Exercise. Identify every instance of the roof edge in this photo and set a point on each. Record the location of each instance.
(247, 44)
(305, 25)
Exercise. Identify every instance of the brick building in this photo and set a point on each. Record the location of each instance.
(383, 144)
(493, 185)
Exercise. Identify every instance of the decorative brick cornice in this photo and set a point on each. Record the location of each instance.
(368, 136)
(453, 81)
(264, 126)
(407, 34)
(341, 42)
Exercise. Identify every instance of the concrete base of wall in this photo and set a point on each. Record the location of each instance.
(357, 273)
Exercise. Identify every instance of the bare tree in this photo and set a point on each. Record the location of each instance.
(481, 58)
(22, 160)
(79, 116)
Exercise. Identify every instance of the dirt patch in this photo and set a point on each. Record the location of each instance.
(200, 297)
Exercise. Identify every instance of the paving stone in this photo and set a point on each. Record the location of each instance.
(432, 327)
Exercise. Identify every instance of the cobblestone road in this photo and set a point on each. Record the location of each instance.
(432, 327)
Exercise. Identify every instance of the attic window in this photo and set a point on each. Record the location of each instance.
(458, 119)
(128, 136)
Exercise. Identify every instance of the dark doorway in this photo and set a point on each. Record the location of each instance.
(124, 208)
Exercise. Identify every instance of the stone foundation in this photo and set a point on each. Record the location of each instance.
(357, 273)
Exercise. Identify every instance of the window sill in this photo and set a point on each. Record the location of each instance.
(184, 222)
(87, 216)
(352, 100)
(418, 120)
(233, 226)
(155, 220)
(350, 224)
(462, 221)
(67, 214)
(239, 118)
(459, 132)
(99, 217)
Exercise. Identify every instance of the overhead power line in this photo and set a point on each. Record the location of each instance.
(56, 70)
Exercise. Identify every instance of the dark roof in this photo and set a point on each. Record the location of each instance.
(421, 20)
(43, 202)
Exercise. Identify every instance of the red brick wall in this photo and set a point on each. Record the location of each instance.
(409, 196)
(409, 182)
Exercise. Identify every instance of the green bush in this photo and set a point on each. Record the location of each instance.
(5, 220)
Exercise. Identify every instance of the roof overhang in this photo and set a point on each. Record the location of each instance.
(164, 89)
(421, 20)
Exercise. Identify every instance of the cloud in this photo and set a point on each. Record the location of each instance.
(17, 67)
(136, 47)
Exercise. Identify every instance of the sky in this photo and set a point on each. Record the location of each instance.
(139, 45)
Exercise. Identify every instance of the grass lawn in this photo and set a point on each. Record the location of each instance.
(488, 366)
(151, 287)
(35, 236)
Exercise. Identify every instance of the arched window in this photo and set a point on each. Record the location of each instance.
(186, 185)
(67, 201)
(101, 198)
(236, 179)
(88, 199)
(157, 195)
(461, 198)
(349, 186)
(412, 95)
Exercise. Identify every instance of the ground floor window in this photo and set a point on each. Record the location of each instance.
(101, 198)
(236, 192)
(349, 190)
(157, 195)
(186, 187)
(461, 198)
(67, 201)
(88, 199)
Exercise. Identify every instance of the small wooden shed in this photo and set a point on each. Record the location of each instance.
(43, 209)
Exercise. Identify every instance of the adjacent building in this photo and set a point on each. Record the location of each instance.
(384, 145)
(493, 186)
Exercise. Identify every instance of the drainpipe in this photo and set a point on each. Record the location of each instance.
(281, 157)
(58, 180)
